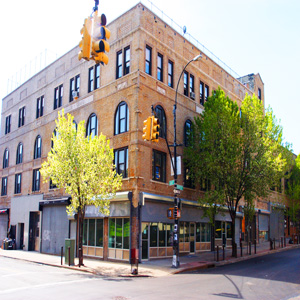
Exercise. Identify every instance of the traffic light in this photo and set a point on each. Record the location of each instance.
(155, 129)
(85, 43)
(100, 36)
(147, 129)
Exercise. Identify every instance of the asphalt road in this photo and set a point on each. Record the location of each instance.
(275, 276)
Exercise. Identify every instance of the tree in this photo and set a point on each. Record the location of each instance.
(293, 194)
(239, 151)
(83, 166)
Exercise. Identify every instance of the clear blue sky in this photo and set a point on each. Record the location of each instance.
(258, 36)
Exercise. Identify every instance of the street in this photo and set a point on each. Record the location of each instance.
(274, 276)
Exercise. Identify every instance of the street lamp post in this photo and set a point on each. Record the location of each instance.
(175, 262)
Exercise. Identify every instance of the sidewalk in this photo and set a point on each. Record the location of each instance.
(152, 268)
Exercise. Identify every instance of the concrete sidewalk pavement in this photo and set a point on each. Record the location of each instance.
(152, 268)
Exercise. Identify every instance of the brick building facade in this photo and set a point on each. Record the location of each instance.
(145, 61)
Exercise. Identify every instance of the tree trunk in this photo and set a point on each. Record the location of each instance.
(81, 213)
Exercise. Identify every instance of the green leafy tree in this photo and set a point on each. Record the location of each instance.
(239, 151)
(293, 194)
(83, 166)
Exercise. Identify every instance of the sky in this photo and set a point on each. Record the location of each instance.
(257, 36)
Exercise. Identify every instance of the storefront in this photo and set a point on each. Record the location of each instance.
(263, 224)
(194, 228)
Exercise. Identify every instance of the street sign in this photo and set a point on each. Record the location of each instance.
(179, 187)
(171, 182)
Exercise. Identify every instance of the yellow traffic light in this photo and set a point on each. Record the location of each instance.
(147, 129)
(100, 36)
(154, 129)
(85, 43)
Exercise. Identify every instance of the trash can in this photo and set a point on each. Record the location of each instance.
(69, 243)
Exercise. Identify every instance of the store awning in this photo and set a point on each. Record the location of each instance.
(4, 211)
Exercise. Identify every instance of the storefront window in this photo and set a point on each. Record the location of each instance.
(229, 230)
(181, 233)
(99, 232)
(84, 238)
(91, 237)
(153, 235)
(162, 235)
(186, 232)
(203, 233)
(198, 232)
(112, 233)
(126, 233)
(119, 233)
(208, 232)
(218, 228)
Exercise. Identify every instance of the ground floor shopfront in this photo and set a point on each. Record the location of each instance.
(43, 225)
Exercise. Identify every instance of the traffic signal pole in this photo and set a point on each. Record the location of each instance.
(175, 261)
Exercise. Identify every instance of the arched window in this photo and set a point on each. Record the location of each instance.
(187, 132)
(160, 114)
(5, 158)
(37, 147)
(122, 118)
(92, 126)
(19, 158)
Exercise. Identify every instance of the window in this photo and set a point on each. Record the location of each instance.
(52, 185)
(159, 166)
(58, 94)
(37, 147)
(192, 88)
(118, 233)
(127, 60)
(93, 232)
(203, 232)
(160, 114)
(205, 185)
(39, 107)
(92, 126)
(123, 65)
(185, 83)
(7, 124)
(122, 118)
(259, 93)
(36, 180)
(159, 67)
(54, 135)
(4, 186)
(18, 180)
(19, 158)
(21, 116)
(119, 64)
(170, 74)
(148, 65)
(121, 161)
(187, 132)
(206, 95)
(5, 158)
(188, 182)
(201, 93)
(94, 78)
(74, 88)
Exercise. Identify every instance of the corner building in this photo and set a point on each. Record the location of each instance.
(146, 59)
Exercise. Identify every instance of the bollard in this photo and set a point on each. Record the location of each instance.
(241, 246)
(69, 253)
(274, 243)
(61, 255)
(249, 248)
(254, 246)
(223, 252)
(217, 253)
(284, 240)
(281, 242)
